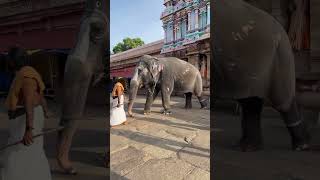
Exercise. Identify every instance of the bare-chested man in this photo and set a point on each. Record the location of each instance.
(27, 110)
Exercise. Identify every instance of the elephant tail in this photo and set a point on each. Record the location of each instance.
(198, 88)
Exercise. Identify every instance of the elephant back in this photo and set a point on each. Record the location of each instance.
(186, 75)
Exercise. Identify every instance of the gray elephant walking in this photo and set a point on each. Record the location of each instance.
(165, 75)
(253, 63)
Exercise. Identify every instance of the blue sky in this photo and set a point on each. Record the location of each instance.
(135, 18)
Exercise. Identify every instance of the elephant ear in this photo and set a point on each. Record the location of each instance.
(156, 66)
(153, 64)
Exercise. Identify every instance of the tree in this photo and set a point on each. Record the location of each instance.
(127, 44)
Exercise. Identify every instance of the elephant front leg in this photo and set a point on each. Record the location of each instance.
(151, 96)
(166, 93)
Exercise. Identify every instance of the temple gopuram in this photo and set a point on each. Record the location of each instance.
(186, 25)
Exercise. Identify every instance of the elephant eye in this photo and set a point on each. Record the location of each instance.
(96, 31)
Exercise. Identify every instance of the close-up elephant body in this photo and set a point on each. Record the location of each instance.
(254, 63)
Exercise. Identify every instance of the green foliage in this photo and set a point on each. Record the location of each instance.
(127, 44)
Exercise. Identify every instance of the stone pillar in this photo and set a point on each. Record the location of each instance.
(165, 33)
(184, 27)
(196, 18)
(201, 25)
(170, 24)
(174, 32)
(189, 20)
(196, 60)
(208, 69)
(208, 13)
(203, 67)
(179, 29)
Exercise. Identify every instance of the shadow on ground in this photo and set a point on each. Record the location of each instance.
(276, 161)
(156, 141)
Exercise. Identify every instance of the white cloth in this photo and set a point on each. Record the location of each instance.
(117, 115)
(25, 162)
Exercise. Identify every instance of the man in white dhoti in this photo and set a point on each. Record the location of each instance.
(26, 110)
(117, 114)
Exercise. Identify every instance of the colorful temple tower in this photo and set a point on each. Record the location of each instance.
(186, 25)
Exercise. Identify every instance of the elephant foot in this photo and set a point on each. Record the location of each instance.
(246, 146)
(300, 138)
(204, 104)
(166, 112)
(188, 106)
(147, 112)
(66, 166)
(130, 114)
(301, 147)
(204, 107)
(250, 148)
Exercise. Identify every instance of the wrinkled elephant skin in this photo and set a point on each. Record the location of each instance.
(254, 62)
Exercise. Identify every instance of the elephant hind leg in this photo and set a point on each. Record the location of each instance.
(203, 102)
(251, 139)
(188, 100)
(296, 127)
(198, 90)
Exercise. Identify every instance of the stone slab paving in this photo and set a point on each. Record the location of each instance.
(149, 147)
(88, 146)
(275, 162)
(160, 147)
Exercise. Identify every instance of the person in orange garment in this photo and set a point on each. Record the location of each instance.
(27, 110)
(117, 114)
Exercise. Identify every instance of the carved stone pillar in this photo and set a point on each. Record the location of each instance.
(196, 18)
(179, 30)
(208, 68)
(200, 22)
(189, 20)
(165, 33)
(203, 67)
(208, 13)
(196, 58)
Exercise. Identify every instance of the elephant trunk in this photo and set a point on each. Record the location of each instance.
(77, 77)
(134, 86)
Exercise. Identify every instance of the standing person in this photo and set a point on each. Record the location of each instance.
(117, 114)
(27, 109)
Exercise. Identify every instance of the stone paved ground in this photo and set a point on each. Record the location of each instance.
(87, 149)
(160, 147)
(275, 162)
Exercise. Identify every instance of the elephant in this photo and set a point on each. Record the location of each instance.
(83, 62)
(286, 7)
(165, 74)
(254, 63)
